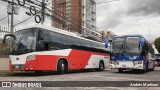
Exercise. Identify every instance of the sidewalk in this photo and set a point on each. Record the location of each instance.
(4, 64)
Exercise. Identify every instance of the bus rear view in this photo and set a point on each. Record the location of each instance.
(131, 52)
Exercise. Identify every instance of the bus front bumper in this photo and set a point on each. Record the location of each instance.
(127, 65)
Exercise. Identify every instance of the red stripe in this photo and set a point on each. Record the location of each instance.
(77, 59)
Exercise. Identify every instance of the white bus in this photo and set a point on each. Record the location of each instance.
(44, 48)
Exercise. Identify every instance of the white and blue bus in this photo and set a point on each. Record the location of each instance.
(131, 52)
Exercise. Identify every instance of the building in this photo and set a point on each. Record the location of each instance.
(78, 15)
(107, 35)
(4, 30)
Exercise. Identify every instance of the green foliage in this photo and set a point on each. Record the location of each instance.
(157, 44)
(4, 49)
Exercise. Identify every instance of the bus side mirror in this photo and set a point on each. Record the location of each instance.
(142, 43)
(106, 44)
(7, 35)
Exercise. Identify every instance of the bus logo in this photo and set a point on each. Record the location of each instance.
(6, 84)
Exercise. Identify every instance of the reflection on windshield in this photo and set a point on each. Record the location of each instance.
(129, 46)
(133, 45)
(118, 44)
(26, 41)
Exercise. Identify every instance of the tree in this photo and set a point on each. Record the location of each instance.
(157, 44)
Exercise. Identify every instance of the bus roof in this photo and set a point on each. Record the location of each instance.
(131, 35)
(73, 34)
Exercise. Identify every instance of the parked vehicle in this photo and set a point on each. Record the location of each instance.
(42, 48)
(131, 52)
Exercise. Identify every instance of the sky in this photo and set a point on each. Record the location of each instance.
(130, 17)
(120, 16)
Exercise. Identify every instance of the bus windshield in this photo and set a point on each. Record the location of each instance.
(26, 41)
(133, 45)
(118, 44)
(126, 46)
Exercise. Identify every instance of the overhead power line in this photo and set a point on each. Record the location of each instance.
(3, 18)
(106, 2)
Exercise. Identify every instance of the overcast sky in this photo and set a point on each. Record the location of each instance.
(121, 17)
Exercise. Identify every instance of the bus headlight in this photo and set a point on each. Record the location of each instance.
(31, 57)
(137, 62)
(112, 62)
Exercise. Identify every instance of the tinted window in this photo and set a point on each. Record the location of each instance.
(94, 44)
(102, 46)
(44, 35)
(72, 41)
(84, 43)
(58, 41)
(133, 44)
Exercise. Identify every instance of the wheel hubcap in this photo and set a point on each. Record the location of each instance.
(63, 67)
(101, 66)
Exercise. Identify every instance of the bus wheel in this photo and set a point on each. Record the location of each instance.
(153, 67)
(101, 66)
(120, 70)
(62, 67)
(145, 69)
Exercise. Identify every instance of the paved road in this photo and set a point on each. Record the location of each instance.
(107, 75)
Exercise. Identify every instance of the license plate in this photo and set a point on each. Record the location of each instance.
(16, 66)
(123, 65)
(117, 63)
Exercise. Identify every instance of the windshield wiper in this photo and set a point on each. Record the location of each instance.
(128, 50)
(119, 50)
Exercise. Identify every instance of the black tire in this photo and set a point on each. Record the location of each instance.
(120, 70)
(101, 66)
(153, 67)
(62, 67)
(145, 69)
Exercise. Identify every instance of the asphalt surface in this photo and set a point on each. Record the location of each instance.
(90, 75)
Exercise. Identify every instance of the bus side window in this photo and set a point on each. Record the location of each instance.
(57, 41)
(43, 40)
(72, 42)
(40, 35)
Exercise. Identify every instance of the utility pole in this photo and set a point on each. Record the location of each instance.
(12, 26)
(43, 12)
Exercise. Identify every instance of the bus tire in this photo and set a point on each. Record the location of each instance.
(145, 69)
(153, 67)
(120, 70)
(101, 66)
(62, 67)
